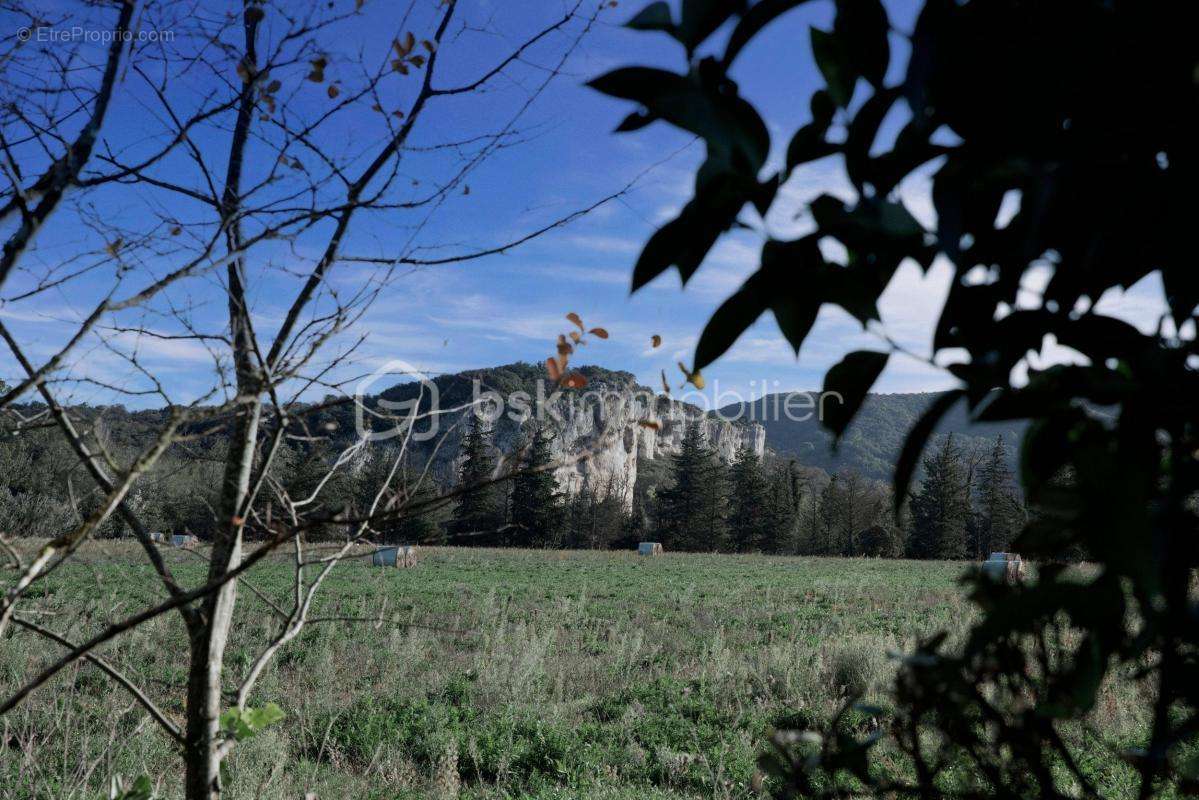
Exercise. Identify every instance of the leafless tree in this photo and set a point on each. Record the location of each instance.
(185, 150)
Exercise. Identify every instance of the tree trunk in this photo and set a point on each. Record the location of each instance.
(210, 635)
(208, 639)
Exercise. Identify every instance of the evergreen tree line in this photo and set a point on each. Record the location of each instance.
(966, 506)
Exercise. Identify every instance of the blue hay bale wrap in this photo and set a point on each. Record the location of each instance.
(395, 556)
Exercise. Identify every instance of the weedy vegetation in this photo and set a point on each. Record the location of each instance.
(499, 673)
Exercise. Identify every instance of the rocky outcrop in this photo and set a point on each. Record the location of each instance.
(723, 435)
(600, 434)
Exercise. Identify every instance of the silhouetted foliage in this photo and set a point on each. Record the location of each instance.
(1082, 116)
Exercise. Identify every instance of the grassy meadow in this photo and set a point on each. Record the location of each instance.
(497, 674)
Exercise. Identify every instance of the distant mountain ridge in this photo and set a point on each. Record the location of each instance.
(871, 445)
(873, 441)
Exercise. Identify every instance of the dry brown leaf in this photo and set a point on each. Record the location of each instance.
(655, 340)
(693, 378)
(599, 333)
(651, 424)
(574, 336)
(576, 319)
(665, 384)
(574, 381)
(551, 367)
(317, 75)
(332, 91)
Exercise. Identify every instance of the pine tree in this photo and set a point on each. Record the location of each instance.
(479, 509)
(417, 523)
(1000, 514)
(783, 494)
(635, 525)
(809, 537)
(332, 493)
(941, 508)
(747, 518)
(832, 511)
(536, 504)
(844, 513)
(690, 511)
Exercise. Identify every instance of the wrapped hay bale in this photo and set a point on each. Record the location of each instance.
(1006, 567)
(399, 556)
(185, 540)
(649, 548)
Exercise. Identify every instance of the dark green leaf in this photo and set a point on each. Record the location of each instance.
(758, 16)
(635, 121)
(850, 379)
(835, 65)
(809, 142)
(795, 319)
(642, 84)
(787, 265)
(737, 138)
(861, 26)
(685, 241)
(863, 130)
(654, 17)
(702, 17)
(732, 319)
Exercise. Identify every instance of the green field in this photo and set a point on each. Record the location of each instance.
(498, 674)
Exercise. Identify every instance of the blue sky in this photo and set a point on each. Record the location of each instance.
(511, 307)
